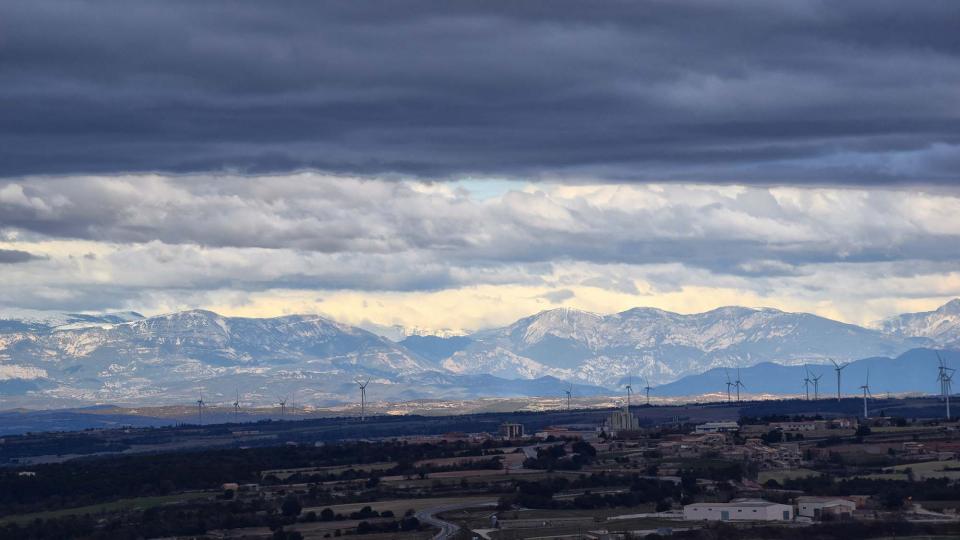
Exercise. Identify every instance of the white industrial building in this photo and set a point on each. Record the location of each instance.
(716, 427)
(621, 421)
(817, 507)
(739, 510)
(511, 431)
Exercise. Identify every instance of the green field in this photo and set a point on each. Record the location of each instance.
(114, 506)
(931, 469)
(399, 506)
(785, 474)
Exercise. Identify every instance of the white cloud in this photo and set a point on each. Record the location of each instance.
(275, 244)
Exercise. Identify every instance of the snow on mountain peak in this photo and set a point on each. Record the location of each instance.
(601, 349)
(952, 306)
(564, 323)
(941, 325)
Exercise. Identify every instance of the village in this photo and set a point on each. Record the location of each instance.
(620, 480)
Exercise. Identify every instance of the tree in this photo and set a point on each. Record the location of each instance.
(892, 499)
(291, 506)
(326, 514)
(409, 524)
(281, 534)
(772, 436)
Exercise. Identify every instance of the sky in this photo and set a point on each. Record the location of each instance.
(456, 166)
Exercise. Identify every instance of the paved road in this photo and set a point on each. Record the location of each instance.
(447, 529)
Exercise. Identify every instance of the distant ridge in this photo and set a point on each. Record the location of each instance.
(64, 359)
(911, 372)
(664, 346)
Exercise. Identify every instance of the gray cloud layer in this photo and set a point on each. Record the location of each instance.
(385, 226)
(744, 91)
(154, 242)
(13, 256)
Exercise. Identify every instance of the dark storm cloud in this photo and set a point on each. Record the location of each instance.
(13, 256)
(753, 91)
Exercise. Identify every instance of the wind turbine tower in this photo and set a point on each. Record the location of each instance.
(629, 391)
(200, 409)
(647, 388)
(816, 386)
(838, 368)
(363, 398)
(283, 406)
(236, 408)
(568, 391)
(806, 382)
(739, 384)
(945, 376)
(866, 392)
(729, 384)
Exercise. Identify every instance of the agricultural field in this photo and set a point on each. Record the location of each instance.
(931, 469)
(139, 503)
(400, 506)
(780, 475)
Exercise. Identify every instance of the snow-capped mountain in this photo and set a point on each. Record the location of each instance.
(31, 318)
(53, 360)
(941, 325)
(60, 358)
(166, 356)
(664, 346)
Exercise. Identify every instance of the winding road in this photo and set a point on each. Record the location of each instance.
(447, 529)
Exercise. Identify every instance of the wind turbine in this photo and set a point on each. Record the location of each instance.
(283, 405)
(729, 384)
(866, 392)
(568, 391)
(739, 384)
(363, 398)
(945, 376)
(816, 386)
(629, 391)
(838, 368)
(647, 388)
(806, 382)
(200, 409)
(236, 407)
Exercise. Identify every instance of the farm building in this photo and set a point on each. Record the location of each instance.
(817, 507)
(738, 510)
(717, 427)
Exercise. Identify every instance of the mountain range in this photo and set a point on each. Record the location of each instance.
(942, 325)
(51, 359)
(914, 371)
